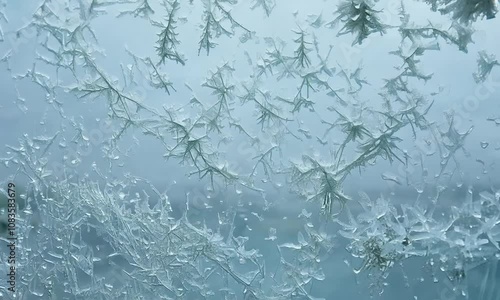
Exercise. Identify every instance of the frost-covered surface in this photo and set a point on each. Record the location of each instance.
(225, 149)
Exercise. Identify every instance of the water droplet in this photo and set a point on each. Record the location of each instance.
(484, 145)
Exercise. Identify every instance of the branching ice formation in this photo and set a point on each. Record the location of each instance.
(304, 115)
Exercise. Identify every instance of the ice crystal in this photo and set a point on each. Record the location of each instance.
(296, 152)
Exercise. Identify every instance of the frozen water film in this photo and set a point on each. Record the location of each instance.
(250, 149)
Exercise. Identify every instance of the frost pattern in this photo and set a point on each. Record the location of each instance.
(208, 93)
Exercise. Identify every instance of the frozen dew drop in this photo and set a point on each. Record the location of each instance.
(390, 177)
(419, 189)
(484, 145)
